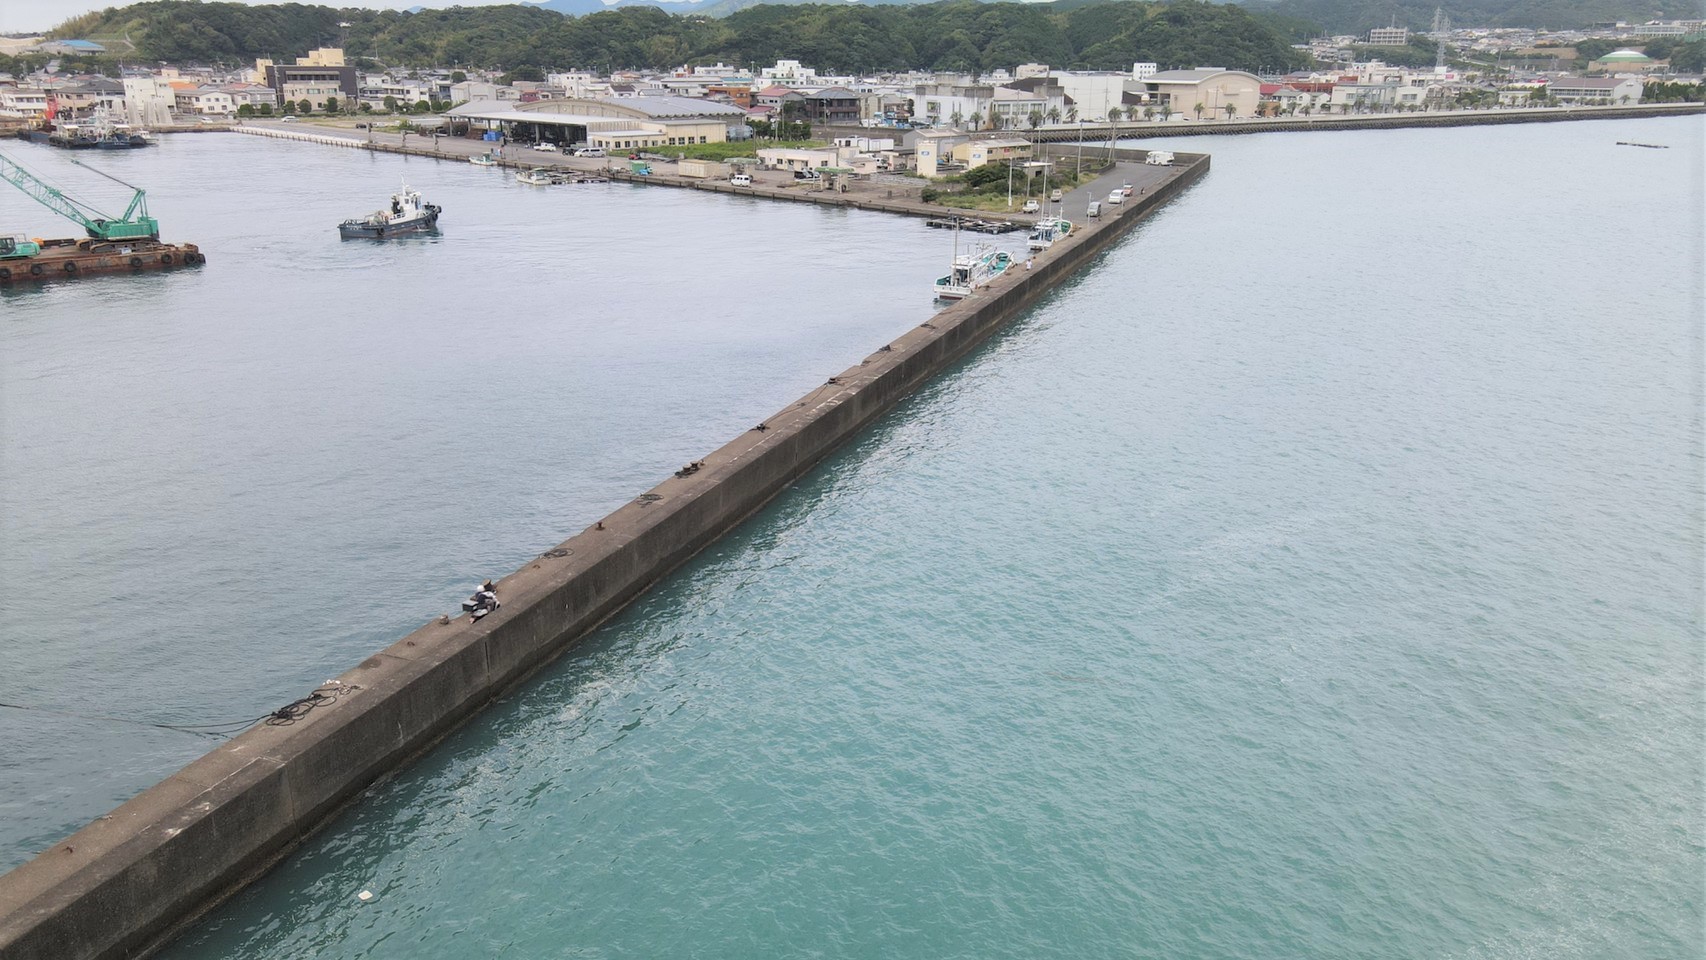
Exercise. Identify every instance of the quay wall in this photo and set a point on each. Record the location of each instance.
(1138, 130)
(124, 885)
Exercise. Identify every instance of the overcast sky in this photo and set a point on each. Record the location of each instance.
(34, 16)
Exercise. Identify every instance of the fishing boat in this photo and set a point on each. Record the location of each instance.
(406, 215)
(1048, 230)
(971, 271)
(538, 177)
(487, 159)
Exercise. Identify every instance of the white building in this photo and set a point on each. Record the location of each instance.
(1143, 70)
(205, 102)
(938, 104)
(1389, 37)
(789, 73)
(1617, 90)
(1215, 89)
(1094, 94)
(26, 103)
(149, 101)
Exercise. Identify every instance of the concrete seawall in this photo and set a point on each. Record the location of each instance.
(123, 885)
(1138, 130)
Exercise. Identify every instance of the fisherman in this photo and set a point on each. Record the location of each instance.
(484, 601)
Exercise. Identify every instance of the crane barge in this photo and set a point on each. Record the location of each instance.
(129, 243)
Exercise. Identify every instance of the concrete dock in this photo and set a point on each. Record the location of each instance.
(125, 884)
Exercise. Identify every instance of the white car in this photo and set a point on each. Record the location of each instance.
(1118, 196)
(1031, 206)
(590, 152)
(740, 180)
(546, 147)
(1056, 196)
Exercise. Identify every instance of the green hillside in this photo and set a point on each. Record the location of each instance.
(960, 35)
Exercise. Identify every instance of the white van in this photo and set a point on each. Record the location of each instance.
(1159, 158)
(590, 152)
(740, 180)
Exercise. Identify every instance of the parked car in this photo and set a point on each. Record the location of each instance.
(1031, 206)
(546, 147)
(590, 152)
(1056, 196)
(1118, 196)
(361, 126)
(806, 175)
(740, 180)
(1095, 211)
(1126, 189)
(287, 118)
(1159, 158)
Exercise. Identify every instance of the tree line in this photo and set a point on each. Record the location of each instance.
(957, 35)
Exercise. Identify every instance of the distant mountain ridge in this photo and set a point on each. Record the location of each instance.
(704, 8)
(1359, 16)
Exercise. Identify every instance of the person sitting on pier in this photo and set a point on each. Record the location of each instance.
(484, 601)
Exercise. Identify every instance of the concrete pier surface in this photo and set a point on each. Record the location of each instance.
(125, 884)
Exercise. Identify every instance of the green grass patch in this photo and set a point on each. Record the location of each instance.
(742, 150)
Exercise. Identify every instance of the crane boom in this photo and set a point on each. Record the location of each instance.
(136, 224)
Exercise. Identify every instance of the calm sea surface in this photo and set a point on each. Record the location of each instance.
(1320, 574)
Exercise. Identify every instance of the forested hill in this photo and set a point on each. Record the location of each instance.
(1358, 16)
(958, 35)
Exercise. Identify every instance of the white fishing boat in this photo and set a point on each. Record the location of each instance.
(1047, 231)
(971, 271)
(487, 159)
(538, 177)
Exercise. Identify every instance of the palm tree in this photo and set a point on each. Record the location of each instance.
(1198, 108)
(955, 118)
(1035, 119)
(976, 120)
(1054, 114)
(1230, 110)
(1148, 114)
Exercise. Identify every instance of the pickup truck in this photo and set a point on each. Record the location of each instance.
(1031, 206)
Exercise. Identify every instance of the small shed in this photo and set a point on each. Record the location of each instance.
(702, 169)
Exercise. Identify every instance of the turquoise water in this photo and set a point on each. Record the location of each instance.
(1320, 574)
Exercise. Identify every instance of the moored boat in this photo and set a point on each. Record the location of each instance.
(1047, 231)
(487, 159)
(538, 177)
(971, 271)
(406, 215)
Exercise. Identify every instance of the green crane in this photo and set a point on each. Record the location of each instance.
(136, 224)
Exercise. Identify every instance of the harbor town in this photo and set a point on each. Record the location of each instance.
(934, 480)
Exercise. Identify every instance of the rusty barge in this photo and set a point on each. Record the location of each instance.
(71, 258)
(129, 243)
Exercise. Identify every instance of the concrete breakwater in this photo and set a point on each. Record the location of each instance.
(1136, 130)
(126, 881)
